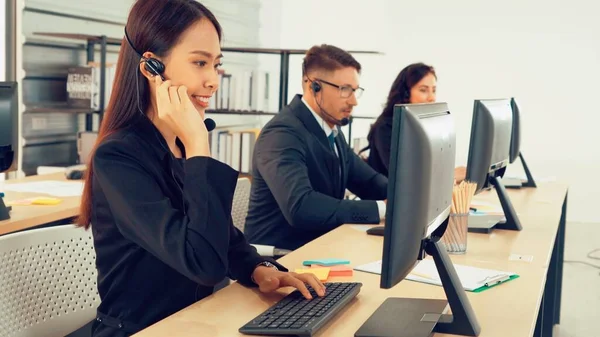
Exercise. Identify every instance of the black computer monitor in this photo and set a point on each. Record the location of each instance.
(421, 179)
(8, 133)
(489, 152)
(515, 143)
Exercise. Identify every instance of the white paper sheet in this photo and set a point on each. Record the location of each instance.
(52, 187)
(471, 278)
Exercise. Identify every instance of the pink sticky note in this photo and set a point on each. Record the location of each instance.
(339, 270)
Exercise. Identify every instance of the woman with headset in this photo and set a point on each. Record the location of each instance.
(416, 83)
(158, 205)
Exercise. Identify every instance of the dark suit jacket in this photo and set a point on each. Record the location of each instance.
(380, 145)
(297, 192)
(162, 228)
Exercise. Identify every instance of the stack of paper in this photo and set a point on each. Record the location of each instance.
(323, 268)
(51, 187)
(340, 271)
(321, 273)
(471, 278)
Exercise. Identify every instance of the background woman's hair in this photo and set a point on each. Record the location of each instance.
(400, 90)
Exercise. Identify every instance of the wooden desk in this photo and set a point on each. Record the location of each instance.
(510, 309)
(25, 217)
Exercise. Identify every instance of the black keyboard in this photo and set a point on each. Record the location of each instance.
(295, 315)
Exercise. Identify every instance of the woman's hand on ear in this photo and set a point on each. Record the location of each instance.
(179, 113)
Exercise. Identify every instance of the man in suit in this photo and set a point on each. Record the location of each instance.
(302, 164)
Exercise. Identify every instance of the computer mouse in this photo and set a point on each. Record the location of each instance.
(378, 230)
(74, 174)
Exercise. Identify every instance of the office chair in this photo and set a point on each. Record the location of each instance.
(47, 282)
(239, 211)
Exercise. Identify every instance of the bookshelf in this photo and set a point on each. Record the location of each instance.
(352, 118)
(103, 41)
(91, 44)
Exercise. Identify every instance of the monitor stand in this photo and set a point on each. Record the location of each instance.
(410, 317)
(512, 221)
(4, 211)
(530, 182)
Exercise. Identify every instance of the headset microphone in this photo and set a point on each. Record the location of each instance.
(316, 87)
(210, 124)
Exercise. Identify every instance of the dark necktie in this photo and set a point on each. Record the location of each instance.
(331, 141)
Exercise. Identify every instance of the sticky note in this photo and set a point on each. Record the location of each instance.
(45, 201)
(321, 273)
(339, 270)
(35, 201)
(325, 262)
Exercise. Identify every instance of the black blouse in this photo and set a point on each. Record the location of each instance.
(162, 228)
(380, 143)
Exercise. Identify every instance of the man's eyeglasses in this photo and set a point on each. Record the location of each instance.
(345, 90)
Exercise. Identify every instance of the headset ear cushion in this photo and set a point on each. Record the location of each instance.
(316, 87)
(154, 66)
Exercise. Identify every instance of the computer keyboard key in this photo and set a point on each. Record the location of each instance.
(295, 315)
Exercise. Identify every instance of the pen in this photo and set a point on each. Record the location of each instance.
(498, 279)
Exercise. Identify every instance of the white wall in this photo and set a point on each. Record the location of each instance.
(545, 53)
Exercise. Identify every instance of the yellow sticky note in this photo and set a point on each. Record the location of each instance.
(45, 201)
(321, 273)
(35, 201)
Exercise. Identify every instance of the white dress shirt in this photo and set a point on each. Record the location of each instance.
(328, 130)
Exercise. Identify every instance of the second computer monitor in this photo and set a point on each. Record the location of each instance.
(489, 148)
(489, 152)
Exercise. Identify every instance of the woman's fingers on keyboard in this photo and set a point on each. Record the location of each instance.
(297, 281)
(314, 282)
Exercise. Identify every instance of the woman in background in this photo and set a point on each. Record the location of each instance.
(416, 83)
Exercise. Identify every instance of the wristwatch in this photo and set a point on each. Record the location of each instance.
(264, 264)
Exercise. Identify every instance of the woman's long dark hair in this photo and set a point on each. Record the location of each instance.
(152, 25)
(400, 91)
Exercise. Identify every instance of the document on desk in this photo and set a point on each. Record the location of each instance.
(472, 279)
(52, 187)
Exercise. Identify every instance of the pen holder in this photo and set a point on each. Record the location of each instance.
(455, 237)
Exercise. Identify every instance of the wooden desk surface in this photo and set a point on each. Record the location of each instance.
(24, 217)
(506, 310)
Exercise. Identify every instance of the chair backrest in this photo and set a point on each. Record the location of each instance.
(47, 281)
(241, 198)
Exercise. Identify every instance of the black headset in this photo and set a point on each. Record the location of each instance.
(152, 65)
(315, 86)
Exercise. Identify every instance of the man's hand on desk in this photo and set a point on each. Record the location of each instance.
(270, 279)
(460, 174)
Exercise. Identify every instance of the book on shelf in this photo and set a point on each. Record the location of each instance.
(242, 89)
(83, 86)
(234, 146)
